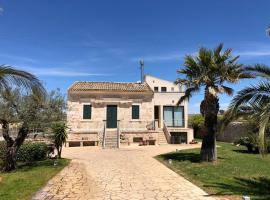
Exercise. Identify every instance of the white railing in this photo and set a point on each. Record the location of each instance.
(167, 133)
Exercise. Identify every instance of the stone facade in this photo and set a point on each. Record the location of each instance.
(124, 97)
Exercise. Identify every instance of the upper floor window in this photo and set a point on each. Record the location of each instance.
(135, 112)
(87, 111)
(172, 89)
(163, 89)
(156, 89)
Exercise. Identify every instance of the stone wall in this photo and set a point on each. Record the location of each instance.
(129, 136)
(234, 131)
(78, 125)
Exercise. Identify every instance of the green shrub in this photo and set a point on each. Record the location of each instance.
(28, 152)
(251, 142)
(197, 123)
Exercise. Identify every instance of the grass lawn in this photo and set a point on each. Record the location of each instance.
(23, 183)
(236, 173)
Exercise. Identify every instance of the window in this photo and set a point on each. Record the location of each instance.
(135, 112)
(87, 111)
(172, 89)
(174, 116)
(156, 89)
(163, 89)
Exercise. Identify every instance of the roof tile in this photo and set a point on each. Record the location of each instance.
(109, 86)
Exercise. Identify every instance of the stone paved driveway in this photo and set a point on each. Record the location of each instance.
(132, 173)
(129, 173)
(71, 183)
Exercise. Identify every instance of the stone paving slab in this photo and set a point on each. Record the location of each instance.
(132, 174)
(70, 184)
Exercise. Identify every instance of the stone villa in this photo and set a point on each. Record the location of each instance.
(112, 114)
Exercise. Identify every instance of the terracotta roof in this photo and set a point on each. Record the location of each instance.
(109, 86)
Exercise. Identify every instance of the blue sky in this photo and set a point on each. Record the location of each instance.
(63, 41)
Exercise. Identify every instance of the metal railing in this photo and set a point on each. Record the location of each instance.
(118, 134)
(174, 123)
(152, 125)
(104, 135)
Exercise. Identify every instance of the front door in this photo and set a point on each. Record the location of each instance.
(111, 116)
(156, 114)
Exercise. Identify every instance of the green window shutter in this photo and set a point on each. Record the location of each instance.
(87, 111)
(135, 112)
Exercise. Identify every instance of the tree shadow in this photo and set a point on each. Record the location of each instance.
(245, 151)
(181, 156)
(26, 166)
(259, 187)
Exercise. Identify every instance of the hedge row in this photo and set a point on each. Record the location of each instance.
(28, 152)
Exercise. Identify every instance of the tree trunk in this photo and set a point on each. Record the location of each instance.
(208, 149)
(59, 152)
(12, 145)
(209, 110)
(10, 159)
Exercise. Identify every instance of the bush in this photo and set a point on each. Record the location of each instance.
(197, 123)
(251, 142)
(28, 152)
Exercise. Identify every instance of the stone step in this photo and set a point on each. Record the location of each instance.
(162, 139)
(111, 132)
(113, 135)
(111, 142)
(113, 138)
(110, 147)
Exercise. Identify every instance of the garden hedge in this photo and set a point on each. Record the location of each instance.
(28, 152)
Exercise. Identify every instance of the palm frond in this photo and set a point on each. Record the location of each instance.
(230, 115)
(211, 68)
(259, 70)
(264, 120)
(252, 95)
(188, 94)
(10, 77)
(225, 89)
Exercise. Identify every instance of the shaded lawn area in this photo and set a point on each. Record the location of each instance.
(236, 173)
(27, 179)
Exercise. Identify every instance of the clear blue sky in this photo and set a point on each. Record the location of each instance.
(63, 41)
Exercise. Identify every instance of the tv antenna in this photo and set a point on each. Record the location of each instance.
(142, 70)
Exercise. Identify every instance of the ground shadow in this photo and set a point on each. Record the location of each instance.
(258, 188)
(30, 165)
(242, 151)
(181, 156)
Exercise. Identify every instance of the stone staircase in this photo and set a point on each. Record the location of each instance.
(111, 139)
(161, 138)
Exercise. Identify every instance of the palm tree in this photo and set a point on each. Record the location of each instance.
(59, 136)
(210, 70)
(10, 78)
(254, 102)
